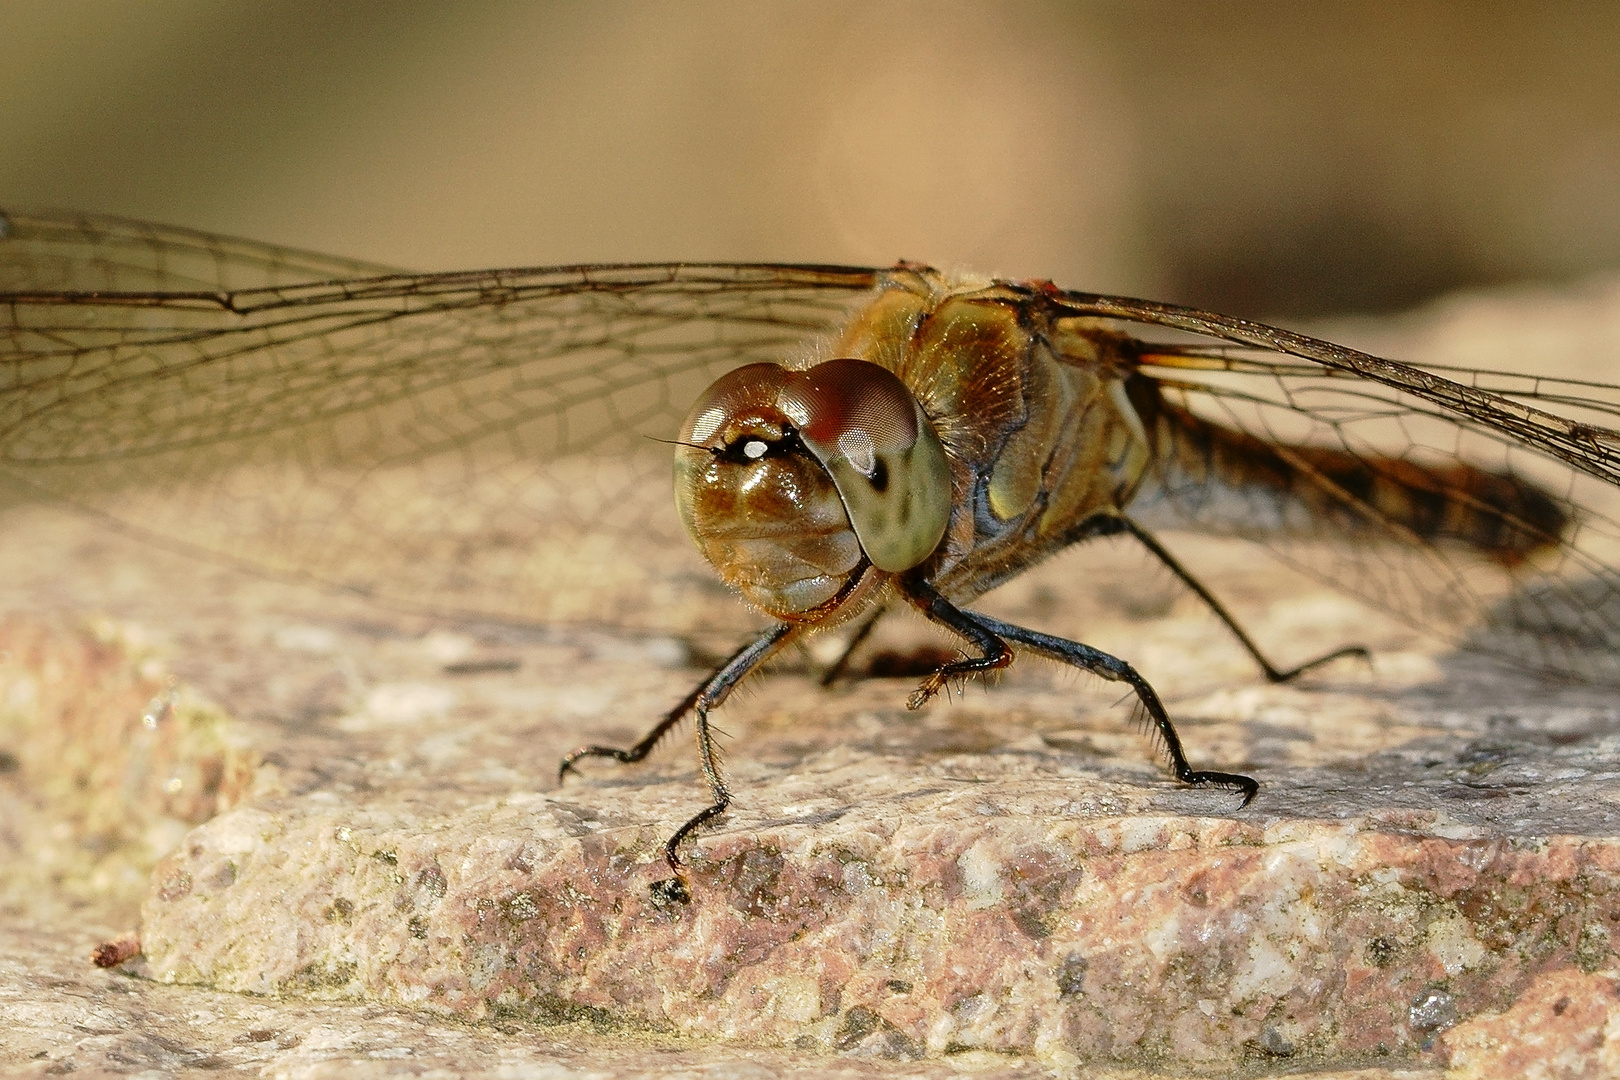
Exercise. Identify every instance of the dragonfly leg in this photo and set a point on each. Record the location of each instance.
(708, 695)
(1272, 672)
(1114, 669)
(709, 759)
(994, 653)
(641, 749)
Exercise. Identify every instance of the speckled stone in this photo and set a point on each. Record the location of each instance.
(1564, 1026)
(121, 757)
(976, 878)
(993, 922)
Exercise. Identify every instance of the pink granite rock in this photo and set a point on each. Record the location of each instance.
(1002, 921)
(1565, 1025)
(1004, 873)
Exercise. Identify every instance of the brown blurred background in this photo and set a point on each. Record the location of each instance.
(1265, 158)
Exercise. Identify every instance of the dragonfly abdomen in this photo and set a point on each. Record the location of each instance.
(1219, 477)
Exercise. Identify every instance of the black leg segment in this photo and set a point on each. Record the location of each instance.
(708, 695)
(1114, 669)
(862, 632)
(1273, 673)
(994, 653)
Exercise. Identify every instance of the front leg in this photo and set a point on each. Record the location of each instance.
(708, 695)
(862, 632)
(994, 653)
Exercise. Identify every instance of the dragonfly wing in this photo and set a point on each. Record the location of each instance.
(1414, 443)
(1589, 448)
(56, 251)
(471, 441)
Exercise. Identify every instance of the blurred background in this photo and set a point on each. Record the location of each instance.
(1270, 159)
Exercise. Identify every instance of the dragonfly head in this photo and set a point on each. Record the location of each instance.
(792, 483)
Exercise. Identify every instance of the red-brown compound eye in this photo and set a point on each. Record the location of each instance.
(872, 437)
(794, 483)
(758, 503)
(747, 392)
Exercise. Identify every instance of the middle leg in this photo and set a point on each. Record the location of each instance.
(991, 636)
(1112, 668)
(1272, 672)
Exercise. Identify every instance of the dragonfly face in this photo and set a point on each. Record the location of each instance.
(760, 508)
(798, 485)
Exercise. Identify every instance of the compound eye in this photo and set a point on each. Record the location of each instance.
(867, 430)
(861, 424)
(738, 399)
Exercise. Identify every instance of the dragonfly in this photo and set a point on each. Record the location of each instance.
(847, 441)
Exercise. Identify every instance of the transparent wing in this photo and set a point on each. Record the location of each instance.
(475, 442)
(1589, 447)
(54, 252)
(478, 441)
(1554, 607)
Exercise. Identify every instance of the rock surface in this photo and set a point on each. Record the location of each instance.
(1001, 884)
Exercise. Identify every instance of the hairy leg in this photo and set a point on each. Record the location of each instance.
(706, 696)
(991, 636)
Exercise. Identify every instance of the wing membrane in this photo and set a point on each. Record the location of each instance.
(1595, 451)
(405, 435)
(1556, 610)
(478, 441)
(63, 252)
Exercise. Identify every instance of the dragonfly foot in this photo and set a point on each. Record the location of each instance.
(1360, 652)
(930, 686)
(1247, 785)
(624, 757)
(669, 893)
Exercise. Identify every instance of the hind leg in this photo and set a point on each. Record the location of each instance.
(1272, 672)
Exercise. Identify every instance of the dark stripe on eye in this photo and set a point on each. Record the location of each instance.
(880, 476)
